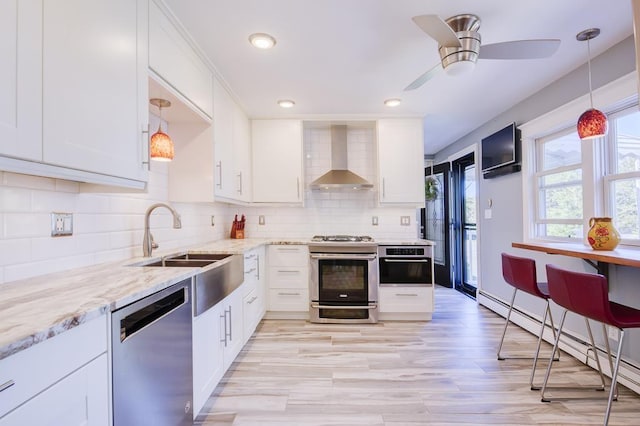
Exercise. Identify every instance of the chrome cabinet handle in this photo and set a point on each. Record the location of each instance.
(148, 144)
(384, 192)
(6, 385)
(288, 294)
(298, 186)
(405, 260)
(282, 271)
(257, 266)
(230, 321)
(369, 306)
(223, 339)
(407, 294)
(219, 167)
(253, 299)
(240, 183)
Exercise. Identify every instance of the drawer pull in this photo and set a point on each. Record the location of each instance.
(253, 299)
(407, 294)
(283, 271)
(7, 385)
(368, 307)
(288, 294)
(287, 249)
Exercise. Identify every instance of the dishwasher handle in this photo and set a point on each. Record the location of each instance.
(151, 313)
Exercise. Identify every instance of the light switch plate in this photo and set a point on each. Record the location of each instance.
(261, 220)
(405, 220)
(374, 220)
(61, 224)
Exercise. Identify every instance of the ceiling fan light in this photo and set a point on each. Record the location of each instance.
(592, 124)
(460, 68)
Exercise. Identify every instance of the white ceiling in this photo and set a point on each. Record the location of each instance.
(343, 58)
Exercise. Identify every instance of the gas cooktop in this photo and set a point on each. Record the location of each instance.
(343, 238)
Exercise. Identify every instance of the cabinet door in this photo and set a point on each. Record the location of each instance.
(277, 161)
(401, 161)
(223, 139)
(207, 356)
(95, 86)
(21, 79)
(241, 154)
(233, 326)
(80, 399)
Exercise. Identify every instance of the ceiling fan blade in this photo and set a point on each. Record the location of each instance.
(520, 49)
(424, 78)
(437, 29)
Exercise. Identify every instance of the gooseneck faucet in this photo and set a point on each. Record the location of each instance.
(147, 241)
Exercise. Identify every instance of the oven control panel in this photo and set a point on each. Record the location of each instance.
(405, 251)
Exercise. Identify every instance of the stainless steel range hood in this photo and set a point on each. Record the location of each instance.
(339, 177)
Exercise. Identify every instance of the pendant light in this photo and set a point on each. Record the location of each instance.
(160, 145)
(592, 123)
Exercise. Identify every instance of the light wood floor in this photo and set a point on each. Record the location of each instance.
(442, 372)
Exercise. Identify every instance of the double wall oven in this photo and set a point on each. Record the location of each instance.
(343, 285)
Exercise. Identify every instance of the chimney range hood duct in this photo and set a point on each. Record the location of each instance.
(339, 177)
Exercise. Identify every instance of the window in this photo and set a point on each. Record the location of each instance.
(622, 183)
(567, 181)
(558, 176)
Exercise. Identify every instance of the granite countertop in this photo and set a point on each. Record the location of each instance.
(38, 308)
(35, 309)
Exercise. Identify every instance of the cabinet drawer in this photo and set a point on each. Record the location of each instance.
(252, 313)
(288, 277)
(40, 366)
(406, 299)
(292, 300)
(288, 255)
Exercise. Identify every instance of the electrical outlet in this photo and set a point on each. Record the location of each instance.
(261, 220)
(405, 220)
(213, 220)
(374, 220)
(612, 332)
(61, 224)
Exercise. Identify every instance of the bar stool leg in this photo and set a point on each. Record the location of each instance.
(614, 377)
(547, 311)
(609, 356)
(595, 354)
(506, 324)
(553, 351)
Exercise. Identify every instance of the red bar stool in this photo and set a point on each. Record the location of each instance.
(587, 295)
(520, 272)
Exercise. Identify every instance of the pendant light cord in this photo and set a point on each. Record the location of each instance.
(589, 66)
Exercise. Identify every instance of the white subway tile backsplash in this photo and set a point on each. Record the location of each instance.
(28, 181)
(23, 225)
(15, 199)
(15, 251)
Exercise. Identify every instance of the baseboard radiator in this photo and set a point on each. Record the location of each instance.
(571, 343)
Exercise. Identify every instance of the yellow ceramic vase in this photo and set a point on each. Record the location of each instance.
(602, 235)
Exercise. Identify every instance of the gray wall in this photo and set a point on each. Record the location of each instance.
(505, 226)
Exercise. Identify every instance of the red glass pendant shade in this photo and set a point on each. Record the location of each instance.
(592, 124)
(161, 146)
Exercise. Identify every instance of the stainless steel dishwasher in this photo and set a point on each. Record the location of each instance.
(152, 362)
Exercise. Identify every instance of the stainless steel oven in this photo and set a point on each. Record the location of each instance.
(405, 265)
(343, 284)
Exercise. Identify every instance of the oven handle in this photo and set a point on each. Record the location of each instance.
(369, 306)
(355, 256)
(384, 259)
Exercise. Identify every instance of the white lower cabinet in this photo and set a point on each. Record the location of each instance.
(254, 301)
(288, 281)
(406, 302)
(217, 340)
(61, 381)
(208, 366)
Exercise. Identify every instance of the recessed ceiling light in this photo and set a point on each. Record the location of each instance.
(286, 103)
(392, 102)
(262, 40)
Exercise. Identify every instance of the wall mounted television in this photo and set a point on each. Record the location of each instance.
(501, 152)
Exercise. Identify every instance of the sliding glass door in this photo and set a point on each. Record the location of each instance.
(464, 223)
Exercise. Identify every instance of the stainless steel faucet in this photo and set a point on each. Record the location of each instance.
(147, 241)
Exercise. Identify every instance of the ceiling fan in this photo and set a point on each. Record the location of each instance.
(459, 45)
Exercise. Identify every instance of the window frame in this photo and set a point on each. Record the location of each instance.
(613, 95)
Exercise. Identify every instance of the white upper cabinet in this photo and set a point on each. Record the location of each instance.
(277, 161)
(95, 86)
(176, 62)
(21, 79)
(401, 161)
(73, 86)
(232, 134)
